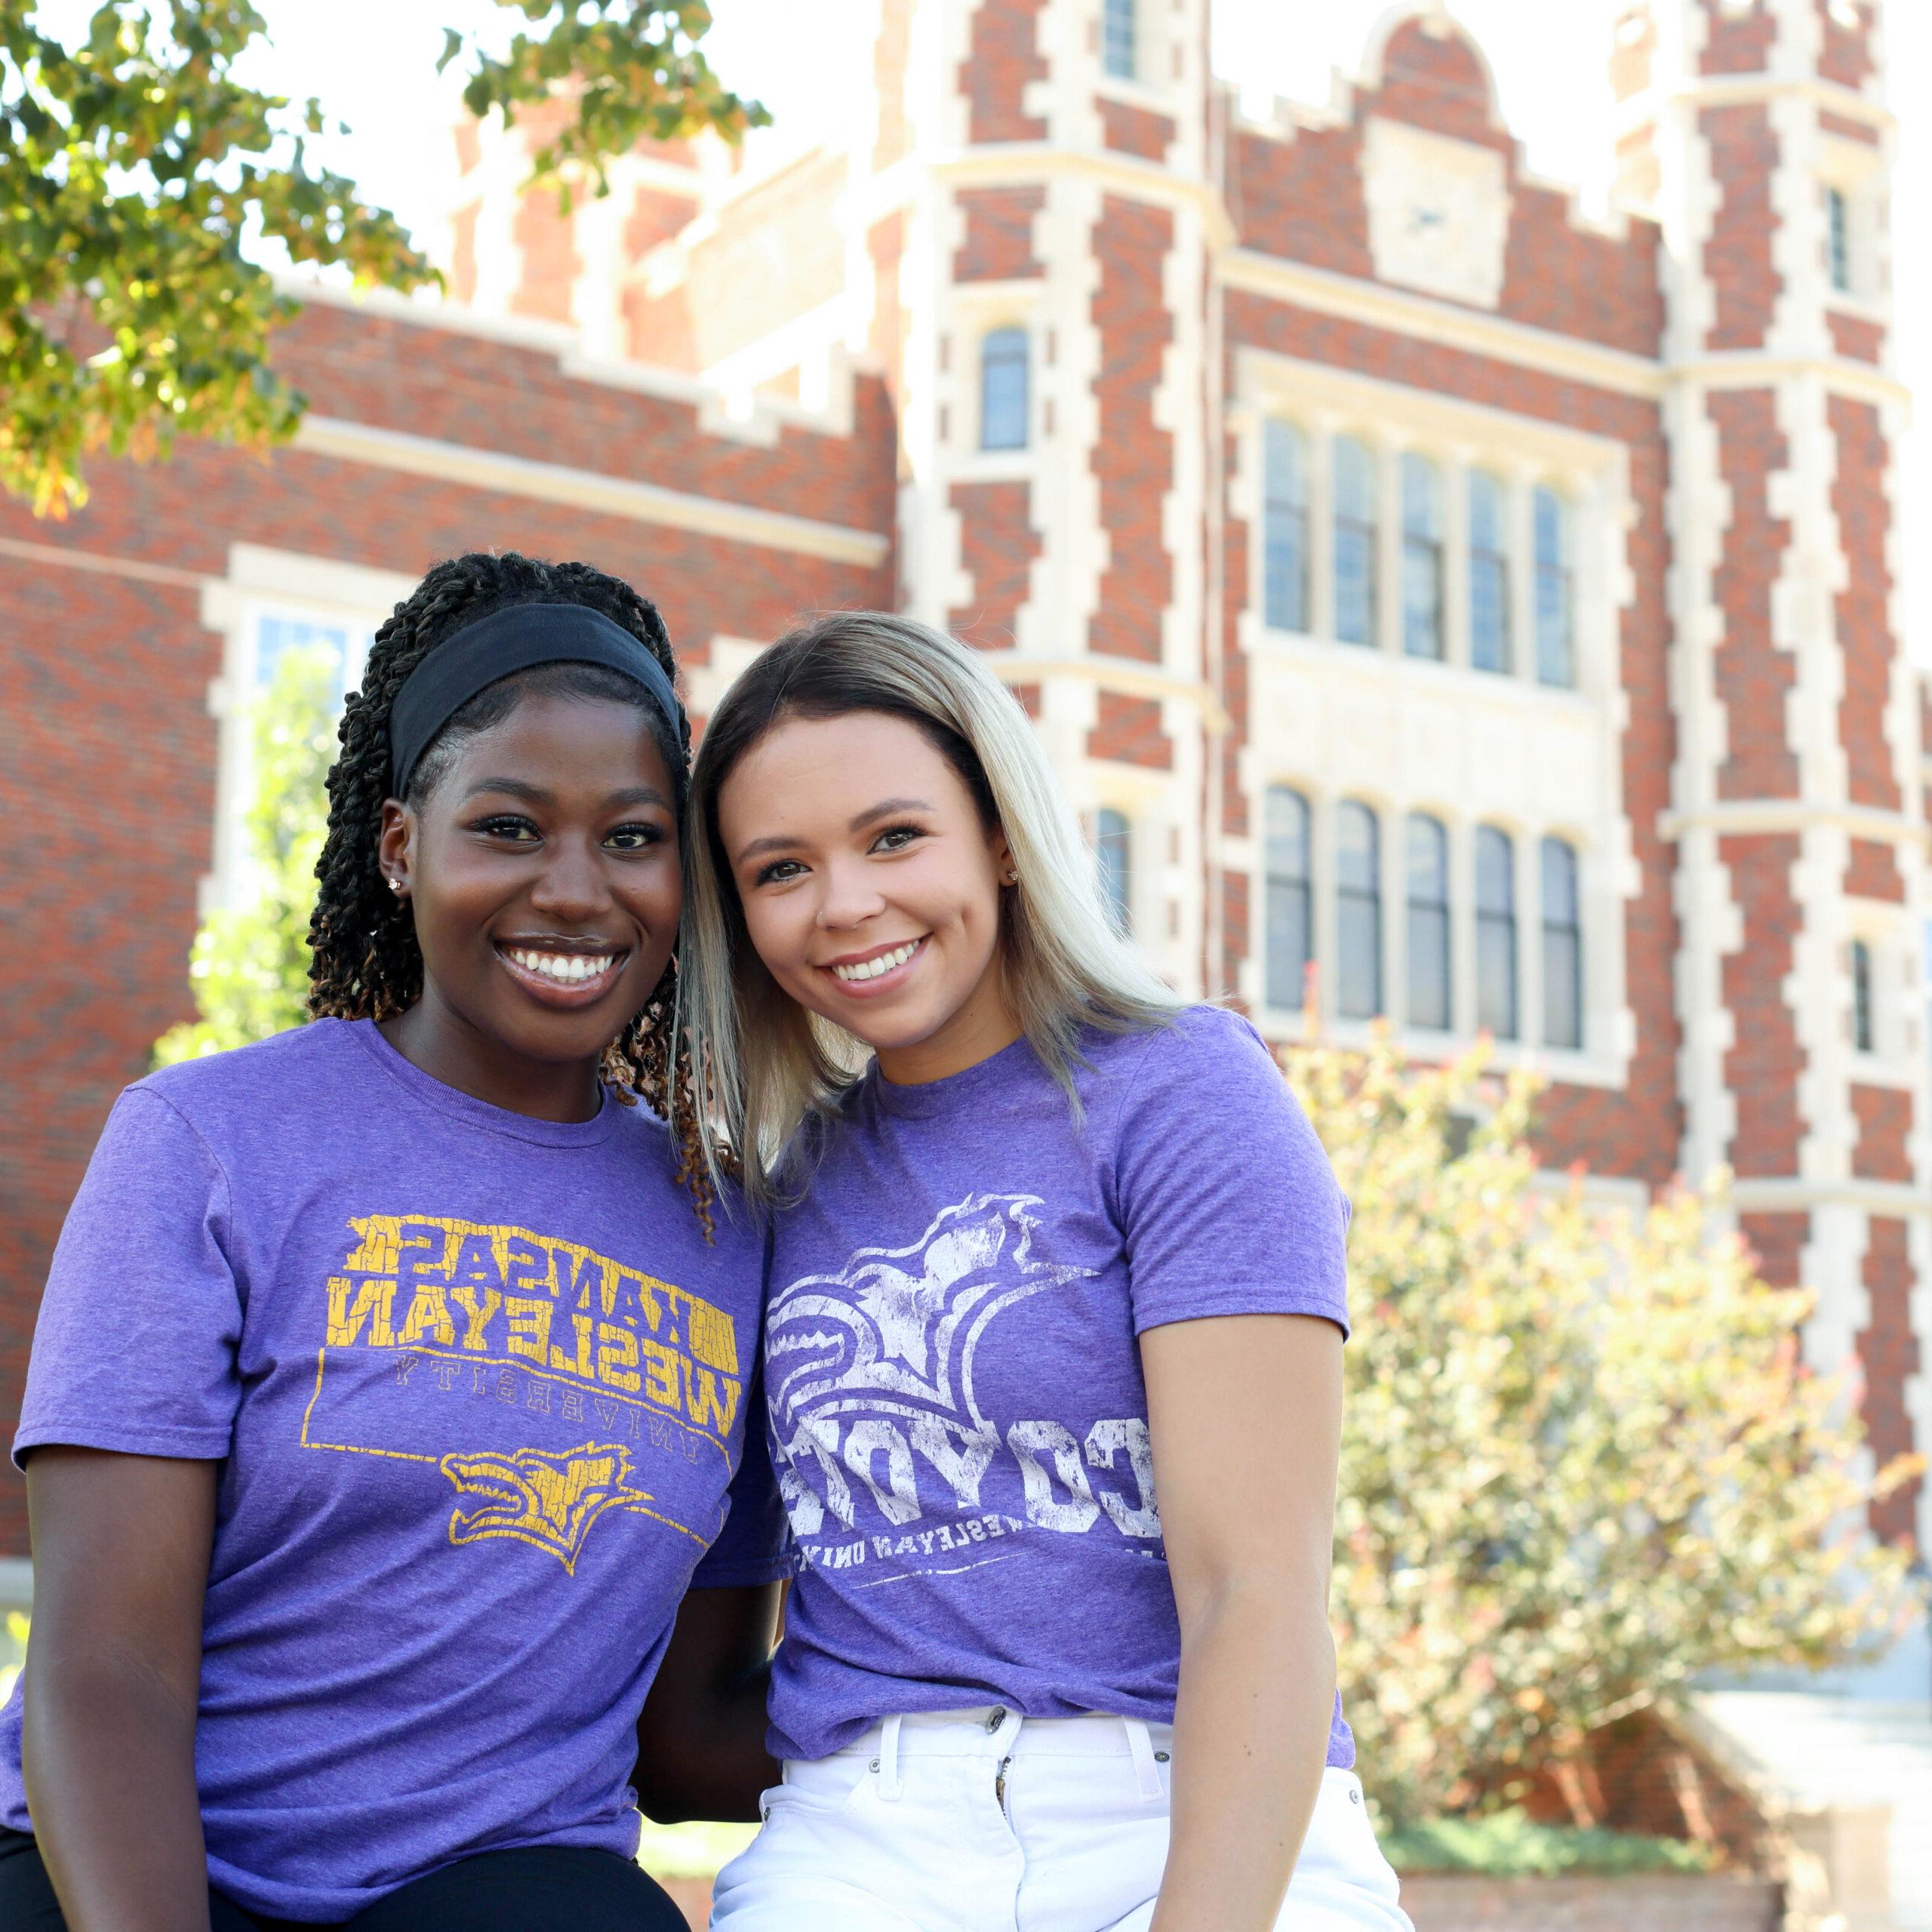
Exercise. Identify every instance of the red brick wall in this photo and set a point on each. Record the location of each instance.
(1128, 129)
(999, 234)
(1738, 43)
(1883, 1115)
(1004, 56)
(103, 674)
(1846, 58)
(1438, 81)
(1737, 258)
(1128, 730)
(1864, 624)
(546, 238)
(1634, 1132)
(1754, 677)
(1762, 1066)
(998, 544)
(1857, 338)
(1872, 872)
(1133, 457)
(1778, 1241)
(1889, 1352)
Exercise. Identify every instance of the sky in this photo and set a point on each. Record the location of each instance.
(372, 63)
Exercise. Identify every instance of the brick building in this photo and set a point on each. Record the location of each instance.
(1492, 606)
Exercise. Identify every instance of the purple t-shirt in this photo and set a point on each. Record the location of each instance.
(475, 1383)
(952, 1380)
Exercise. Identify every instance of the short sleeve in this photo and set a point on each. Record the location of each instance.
(134, 1349)
(754, 1545)
(1225, 1200)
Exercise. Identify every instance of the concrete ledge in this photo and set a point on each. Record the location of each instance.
(1458, 1903)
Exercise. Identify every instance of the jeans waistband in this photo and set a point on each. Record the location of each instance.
(998, 1733)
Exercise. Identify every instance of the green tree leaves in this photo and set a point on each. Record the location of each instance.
(135, 170)
(1582, 1460)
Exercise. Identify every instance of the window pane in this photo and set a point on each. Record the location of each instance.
(275, 637)
(1113, 841)
(1496, 933)
(1421, 556)
(1289, 940)
(1359, 912)
(1861, 996)
(1562, 947)
(1428, 857)
(1119, 36)
(1003, 390)
(1285, 537)
(1838, 220)
(1354, 541)
(1556, 663)
(1489, 572)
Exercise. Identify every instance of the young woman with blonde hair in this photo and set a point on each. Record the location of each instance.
(1039, 1231)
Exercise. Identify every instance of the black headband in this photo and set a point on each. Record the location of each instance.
(518, 637)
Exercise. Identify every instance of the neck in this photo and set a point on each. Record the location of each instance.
(438, 1041)
(986, 1025)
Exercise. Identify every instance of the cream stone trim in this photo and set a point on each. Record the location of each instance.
(1899, 1199)
(1744, 816)
(587, 489)
(58, 556)
(1429, 320)
(1727, 90)
(1117, 674)
(1757, 368)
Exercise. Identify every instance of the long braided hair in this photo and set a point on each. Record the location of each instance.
(365, 963)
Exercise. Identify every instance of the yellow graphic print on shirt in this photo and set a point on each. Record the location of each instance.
(544, 1380)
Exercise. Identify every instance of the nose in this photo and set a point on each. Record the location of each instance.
(572, 887)
(850, 898)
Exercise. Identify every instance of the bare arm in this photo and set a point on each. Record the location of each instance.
(1245, 1414)
(701, 1739)
(121, 1548)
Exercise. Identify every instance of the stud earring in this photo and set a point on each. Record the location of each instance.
(395, 885)
(1012, 878)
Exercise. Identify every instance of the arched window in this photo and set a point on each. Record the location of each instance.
(1428, 921)
(1113, 841)
(1118, 53)
(1354, 541)
(1556, 654)
(1290, 938)
(1495, 932)
(1489, 572)
(1358, 911)
(1004, 386)
(1421, 556)
(1861, 996)
(1562, 947)
(1285, 536)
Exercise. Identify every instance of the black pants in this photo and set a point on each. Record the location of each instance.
(543, 1888)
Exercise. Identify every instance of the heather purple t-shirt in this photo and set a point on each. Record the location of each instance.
(953, 1384)
(476, 1386)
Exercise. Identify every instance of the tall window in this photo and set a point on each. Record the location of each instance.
(1117, 40)
(1358, 911)
(1290, 912)
(1428, 921)
(1489, 572)
(1284, 538)
(1556, 657)
(1003, 390)
(1562, 946)
(1861, 996)
(1113, 840)
(1354, 541)
(1496, 933)
(276, 636)
(1837, 238)
(1421, 556)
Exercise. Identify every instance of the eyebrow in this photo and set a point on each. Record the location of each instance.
(538, 795)
(885, 808)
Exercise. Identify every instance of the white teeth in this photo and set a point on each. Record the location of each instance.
(567, 968)
(870, 969)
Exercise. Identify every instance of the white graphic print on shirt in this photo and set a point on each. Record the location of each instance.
(887, 1458)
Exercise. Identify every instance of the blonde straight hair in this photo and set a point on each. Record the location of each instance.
(763, 1066)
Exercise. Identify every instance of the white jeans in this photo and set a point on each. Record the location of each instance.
(981, 1821)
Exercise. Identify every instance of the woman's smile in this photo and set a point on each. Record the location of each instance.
(883, 970)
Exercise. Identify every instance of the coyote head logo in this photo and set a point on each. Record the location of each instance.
(549, 1500)
(897, 1328)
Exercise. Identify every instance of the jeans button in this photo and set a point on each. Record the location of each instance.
(1355, 1798)
(996, 1717)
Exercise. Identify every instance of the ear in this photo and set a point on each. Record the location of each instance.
(395, 846)
(1001, 854)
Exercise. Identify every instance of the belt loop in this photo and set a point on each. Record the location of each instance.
(1140, 1748)
(889, 1785)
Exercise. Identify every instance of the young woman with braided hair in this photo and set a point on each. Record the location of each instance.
(388, 1391)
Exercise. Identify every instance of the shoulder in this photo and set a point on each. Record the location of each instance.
(1205, 1047)
(214, 1083)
